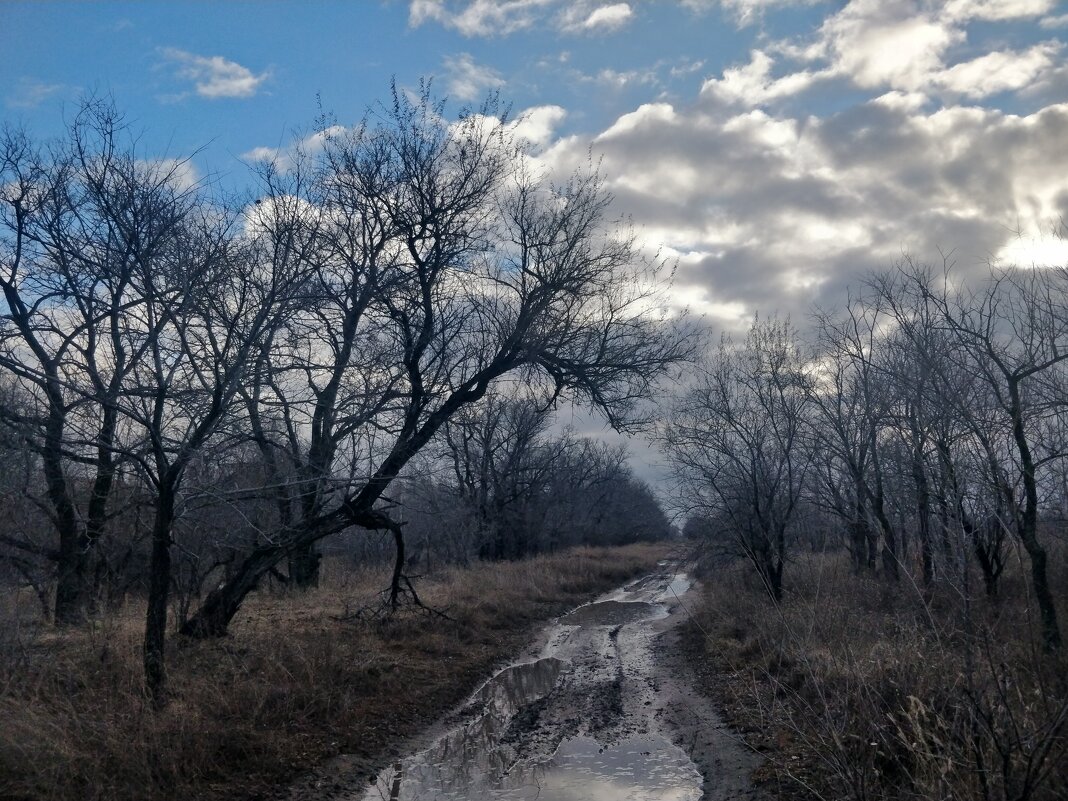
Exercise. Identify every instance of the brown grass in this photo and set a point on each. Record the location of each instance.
(856, 688)
(290, 687)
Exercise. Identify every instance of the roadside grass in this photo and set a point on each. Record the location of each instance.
(855, 688)
(291, 686)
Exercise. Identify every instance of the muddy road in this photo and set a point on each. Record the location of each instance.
(601, 708)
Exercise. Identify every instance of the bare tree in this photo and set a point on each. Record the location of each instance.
(856, 401)
(738, 439)
(491, 271)
(203, 319)
(1014, 333)
(80, 220)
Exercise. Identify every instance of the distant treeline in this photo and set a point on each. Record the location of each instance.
(925, 429)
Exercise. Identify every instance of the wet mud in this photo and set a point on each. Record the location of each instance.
(603, 708)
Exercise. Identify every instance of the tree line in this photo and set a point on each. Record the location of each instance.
(187, 367)
(923, 427)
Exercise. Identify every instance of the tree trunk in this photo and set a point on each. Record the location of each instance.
(159, 582)
(985, 555)
(214, 615)
(398, 567)
(218, 609)
(72, 584)
(97, 512)
(304, 567)
(1027, 527)
(923, 513)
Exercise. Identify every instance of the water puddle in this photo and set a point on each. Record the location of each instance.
(518, 686)
(636, 769)
(612, 613)
(677, 587)
(576, 724)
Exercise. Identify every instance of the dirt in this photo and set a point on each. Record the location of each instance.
(603, 705)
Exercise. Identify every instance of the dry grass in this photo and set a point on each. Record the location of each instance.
(859, 689)
(291, 686)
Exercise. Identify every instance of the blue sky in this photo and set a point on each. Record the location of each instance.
(777, 149)
(346, 53)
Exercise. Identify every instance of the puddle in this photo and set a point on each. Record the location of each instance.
(518, 686)
(580, 728)
(612, 613)
(678, 586)
(472, 755)
(636, 769)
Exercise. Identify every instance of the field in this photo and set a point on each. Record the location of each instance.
(857, 688)
(292, 685)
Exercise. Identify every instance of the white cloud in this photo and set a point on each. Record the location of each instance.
(775, 212)
(996, 9)
(610, 17)
(1060, 21)
(618, 79)
(887, 43)
(466, 80)
(767, 205)
(898, 45)
(537, 125)
(902, 101)
(214, 77)
(752, 84)
(478, 17)
(745, 12)
(1000, 71)
(30, 93)
(1040, 250)
(285, 157)
(687, 68)
(648, 114)
(502, 17)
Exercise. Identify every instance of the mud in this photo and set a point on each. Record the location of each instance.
(602, 708)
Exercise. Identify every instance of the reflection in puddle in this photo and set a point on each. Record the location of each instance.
(676, 587)
(613, 613)
(547, 729)
(518, 686)
(637, 769)
(472, 754)
(646, 768)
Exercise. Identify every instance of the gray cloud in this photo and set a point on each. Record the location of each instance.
(771, 212)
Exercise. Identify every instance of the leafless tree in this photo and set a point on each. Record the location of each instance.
(738, 439)
(487, 271)
(81, 219)
(855, 399)
(1013, 332)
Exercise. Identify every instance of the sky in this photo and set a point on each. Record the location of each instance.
(777, 150)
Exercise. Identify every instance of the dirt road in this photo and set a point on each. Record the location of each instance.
(602, 707)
